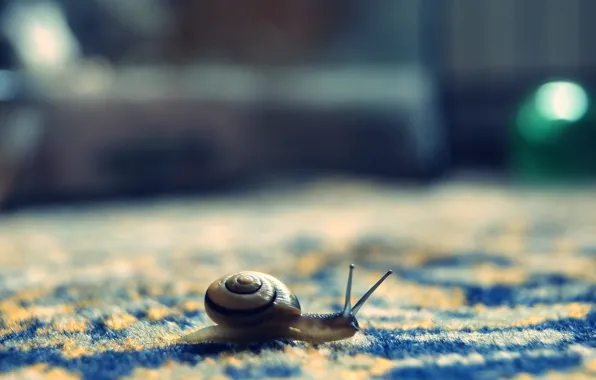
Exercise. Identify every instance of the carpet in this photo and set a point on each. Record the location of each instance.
(488, 283)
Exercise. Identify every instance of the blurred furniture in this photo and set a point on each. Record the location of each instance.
(119, 133)
(216, 95)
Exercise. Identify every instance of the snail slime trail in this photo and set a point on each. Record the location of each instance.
(253, 306)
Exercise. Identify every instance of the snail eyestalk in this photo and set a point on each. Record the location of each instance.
(348, 304)
(370, 291)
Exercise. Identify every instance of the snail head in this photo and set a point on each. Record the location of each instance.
(349, 312)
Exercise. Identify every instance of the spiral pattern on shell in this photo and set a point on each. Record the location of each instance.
(247, 298)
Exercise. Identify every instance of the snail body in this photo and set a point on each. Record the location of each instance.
(253, 306)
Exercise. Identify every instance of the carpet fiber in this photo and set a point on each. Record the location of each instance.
(488, 283)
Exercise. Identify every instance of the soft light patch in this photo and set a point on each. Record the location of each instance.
(441, 298)
(562, 101)
(426, 325)
(71, 349)
(412, 294)
(508, 244)
(206, 369)
(502, 339)
(531, 321)
(67, 325)
(310, 263)
(13, 314)
(39, 372)
(157, 313)
(192, 306)
(71, 326)
(119, 322)
(491, 274)
(578, 310)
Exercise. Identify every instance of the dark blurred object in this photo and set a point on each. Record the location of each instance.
(120, 31)
(214, 128)
(21, 130)
(177, 96)
(288, 32)
(259, 32)
(8, 60)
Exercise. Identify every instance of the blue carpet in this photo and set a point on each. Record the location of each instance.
(488, 283)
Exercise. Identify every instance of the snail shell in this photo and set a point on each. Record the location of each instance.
(249, 298)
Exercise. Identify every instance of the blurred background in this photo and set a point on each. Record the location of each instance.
(110, 99)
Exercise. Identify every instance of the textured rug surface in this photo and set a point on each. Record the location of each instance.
(488, 283)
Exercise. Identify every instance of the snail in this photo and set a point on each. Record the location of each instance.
(252, 306)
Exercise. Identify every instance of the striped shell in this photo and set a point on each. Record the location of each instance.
(249, 298)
